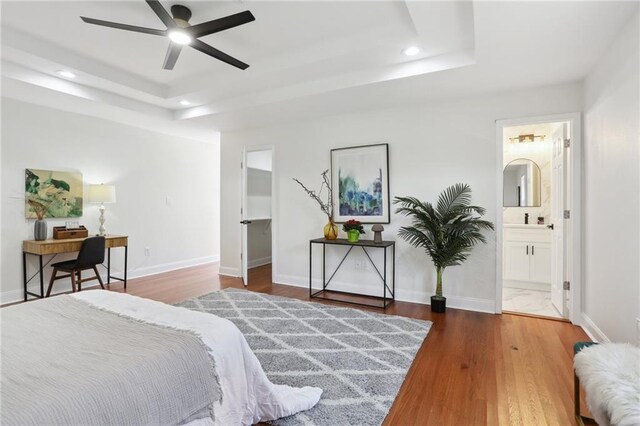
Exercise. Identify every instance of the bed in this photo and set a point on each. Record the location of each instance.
(101, 357)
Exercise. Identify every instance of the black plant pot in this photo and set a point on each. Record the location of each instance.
(438, 304)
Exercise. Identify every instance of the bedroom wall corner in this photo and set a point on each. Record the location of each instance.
(611, 190)
(431, 146)
(167, 190)
(1, 199)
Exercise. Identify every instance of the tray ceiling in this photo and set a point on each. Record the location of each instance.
(299, 53)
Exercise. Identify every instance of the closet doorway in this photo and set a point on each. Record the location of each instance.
(256, 214)
(538, 223)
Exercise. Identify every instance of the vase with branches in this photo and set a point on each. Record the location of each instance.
(39, 207)
(447, 231)
(330, 229)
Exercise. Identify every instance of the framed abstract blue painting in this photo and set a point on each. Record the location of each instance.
(360, 182)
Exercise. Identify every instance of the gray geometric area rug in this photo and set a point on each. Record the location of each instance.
(358, 358)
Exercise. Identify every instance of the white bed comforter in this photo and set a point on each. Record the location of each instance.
(248, 397)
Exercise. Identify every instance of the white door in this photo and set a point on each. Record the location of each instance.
(540, 263)
(244, 222)
(558, 178)
(516, 261)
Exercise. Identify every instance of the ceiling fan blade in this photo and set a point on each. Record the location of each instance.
(211, 51)
(123, 26)
(221, 24)
(162, 13)
(172, 56)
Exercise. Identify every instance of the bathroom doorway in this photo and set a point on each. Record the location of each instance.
(256, 215)
(536, 232)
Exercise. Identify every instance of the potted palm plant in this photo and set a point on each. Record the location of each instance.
(447, 231)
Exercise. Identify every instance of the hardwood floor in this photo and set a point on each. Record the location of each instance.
(473, 368)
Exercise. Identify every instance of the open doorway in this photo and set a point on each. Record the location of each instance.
(257, 215)
(536, 228)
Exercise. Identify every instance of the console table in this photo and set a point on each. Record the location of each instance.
(388, 293)
(54, 247)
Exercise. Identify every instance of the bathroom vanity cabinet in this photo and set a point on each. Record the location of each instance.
(527, 253)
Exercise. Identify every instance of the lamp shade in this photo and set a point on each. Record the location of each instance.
(102, 193)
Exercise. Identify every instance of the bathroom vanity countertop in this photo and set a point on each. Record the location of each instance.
(522, 225)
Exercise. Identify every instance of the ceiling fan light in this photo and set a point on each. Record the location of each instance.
(180, 37)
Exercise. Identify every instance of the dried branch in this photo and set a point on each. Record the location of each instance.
(38, 208)
(326, 207)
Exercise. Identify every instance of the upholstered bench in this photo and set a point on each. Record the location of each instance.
(610, 375)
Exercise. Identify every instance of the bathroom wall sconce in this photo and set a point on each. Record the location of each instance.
(527, 138)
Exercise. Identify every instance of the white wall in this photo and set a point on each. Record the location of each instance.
(260, 160)
(259, 208)
(259, 243)
(167, 189)
(1, 195)
(611, 253)
(430, 147)
(258, 193)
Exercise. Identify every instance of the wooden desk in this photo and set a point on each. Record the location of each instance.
(54, 247)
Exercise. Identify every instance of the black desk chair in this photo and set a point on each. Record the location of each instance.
(91, 254)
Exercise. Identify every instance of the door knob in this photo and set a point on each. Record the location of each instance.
(550, 226)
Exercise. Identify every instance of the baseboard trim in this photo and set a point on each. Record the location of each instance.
(592, 330)
(173, 266)
(475, 304)
(412, 296)
(13, 296)
(259, 262)
(229, 271)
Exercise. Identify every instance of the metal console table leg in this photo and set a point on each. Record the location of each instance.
(388, 294)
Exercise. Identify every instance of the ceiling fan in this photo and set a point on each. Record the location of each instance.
(181, 33)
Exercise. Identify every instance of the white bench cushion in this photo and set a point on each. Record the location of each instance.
(610, 374)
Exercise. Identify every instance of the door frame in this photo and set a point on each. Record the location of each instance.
(274, 223)
(574, 235)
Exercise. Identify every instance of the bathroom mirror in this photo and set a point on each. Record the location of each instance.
(521, 184)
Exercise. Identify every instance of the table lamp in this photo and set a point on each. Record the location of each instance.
(102, 194)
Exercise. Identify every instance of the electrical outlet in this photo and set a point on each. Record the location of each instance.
(147, 251)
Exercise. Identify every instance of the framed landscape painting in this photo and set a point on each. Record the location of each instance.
(360, 182)
(52, 194)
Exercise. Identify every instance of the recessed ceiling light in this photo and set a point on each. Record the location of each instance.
(185, 102)
(180, 37)
(411, 51)
(66, 74)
